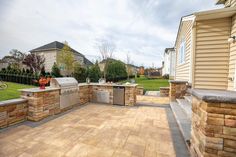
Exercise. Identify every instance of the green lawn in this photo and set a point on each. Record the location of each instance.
(12, 91)
(151, 84)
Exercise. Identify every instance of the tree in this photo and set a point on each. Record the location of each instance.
(94, 72)
(106, 50)
(116, 70)
(18, 55)
(34, 62)
(55, 70)
(66, 58)
(79, 73)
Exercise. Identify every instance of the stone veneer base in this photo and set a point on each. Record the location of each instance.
(213, 124)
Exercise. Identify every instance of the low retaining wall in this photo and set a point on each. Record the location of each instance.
(213, 123)
(164, 91)
(12, 112)
(178, 89)
(140, 91)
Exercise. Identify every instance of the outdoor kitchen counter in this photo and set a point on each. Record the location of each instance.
(36, 90)
(105, 93)
(108, 84)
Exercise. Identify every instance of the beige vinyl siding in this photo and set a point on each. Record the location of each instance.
(230, 3)
(212, 54)
(232, 60)
(183, 70)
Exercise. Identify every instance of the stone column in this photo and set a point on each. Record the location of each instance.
(178, 89)
(213, 123)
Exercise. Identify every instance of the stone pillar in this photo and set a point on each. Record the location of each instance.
(84, 93)
(178, 89)
(130, 95)
(164, 91)
(213, 123)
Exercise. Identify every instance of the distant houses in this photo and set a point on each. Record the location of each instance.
(169, 63)
(50, 53)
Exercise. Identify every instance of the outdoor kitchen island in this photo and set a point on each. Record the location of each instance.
(66, 93)
(108, 93)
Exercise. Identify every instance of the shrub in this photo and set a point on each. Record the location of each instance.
(115, 71)
(94, 73)
(79, 73)
(56, 71)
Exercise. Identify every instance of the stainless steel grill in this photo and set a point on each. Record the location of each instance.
(68, 90)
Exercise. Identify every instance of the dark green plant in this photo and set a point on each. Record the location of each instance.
(115, 71)
(55, 71)
(94, 73)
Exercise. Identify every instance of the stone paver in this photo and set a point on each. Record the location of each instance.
(96, 130)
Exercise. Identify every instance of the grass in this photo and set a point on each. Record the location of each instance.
(151, 84)
(12, 91)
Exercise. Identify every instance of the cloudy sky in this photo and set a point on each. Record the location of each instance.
(142, 28)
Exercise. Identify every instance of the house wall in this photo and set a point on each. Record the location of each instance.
(50, 58)
(183, 70)
(212, 54)
(166, 68)
(232, 60)
(230, 3)
(172, 64)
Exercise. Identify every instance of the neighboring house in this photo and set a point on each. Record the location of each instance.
(133, 69)
(169, 62)
(50, 53)
(103, 63)
(204, 56)
(141, 70)
(10, 60)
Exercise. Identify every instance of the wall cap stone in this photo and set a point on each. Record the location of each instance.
(221, 96)
(177, 81)
(12, 102)
(37, 90)
(164, 87)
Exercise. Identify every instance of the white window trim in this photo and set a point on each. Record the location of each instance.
(180, 59)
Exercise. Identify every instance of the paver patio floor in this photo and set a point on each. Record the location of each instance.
(96, 130)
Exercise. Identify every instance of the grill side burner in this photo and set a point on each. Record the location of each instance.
(68, 91)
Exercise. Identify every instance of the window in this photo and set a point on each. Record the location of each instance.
(182, 52)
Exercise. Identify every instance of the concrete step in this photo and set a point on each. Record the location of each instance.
(186, 106)
(184, 122)
(188, 98)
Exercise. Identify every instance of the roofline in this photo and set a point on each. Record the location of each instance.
(184, 18)
(206, 15)
(220, 2)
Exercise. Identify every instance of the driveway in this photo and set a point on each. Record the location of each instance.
(98, 130)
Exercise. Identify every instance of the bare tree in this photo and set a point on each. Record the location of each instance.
(106, 49)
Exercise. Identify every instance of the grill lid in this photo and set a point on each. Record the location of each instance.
(63, 82)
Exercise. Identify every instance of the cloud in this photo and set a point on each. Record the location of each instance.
(144, 28)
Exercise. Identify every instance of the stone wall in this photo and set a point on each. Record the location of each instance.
(213, 127)
(130, 96)
(140, 91)
(42, 104)
(84, 94)
(12, 112)
(164, 91)
(178, 89)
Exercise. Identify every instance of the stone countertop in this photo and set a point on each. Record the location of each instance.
(108, 84)
(37, 90)
(221, 96)
(12, 102)
(177, 81)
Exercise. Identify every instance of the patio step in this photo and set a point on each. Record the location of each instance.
(186, 106)
(183, 121)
